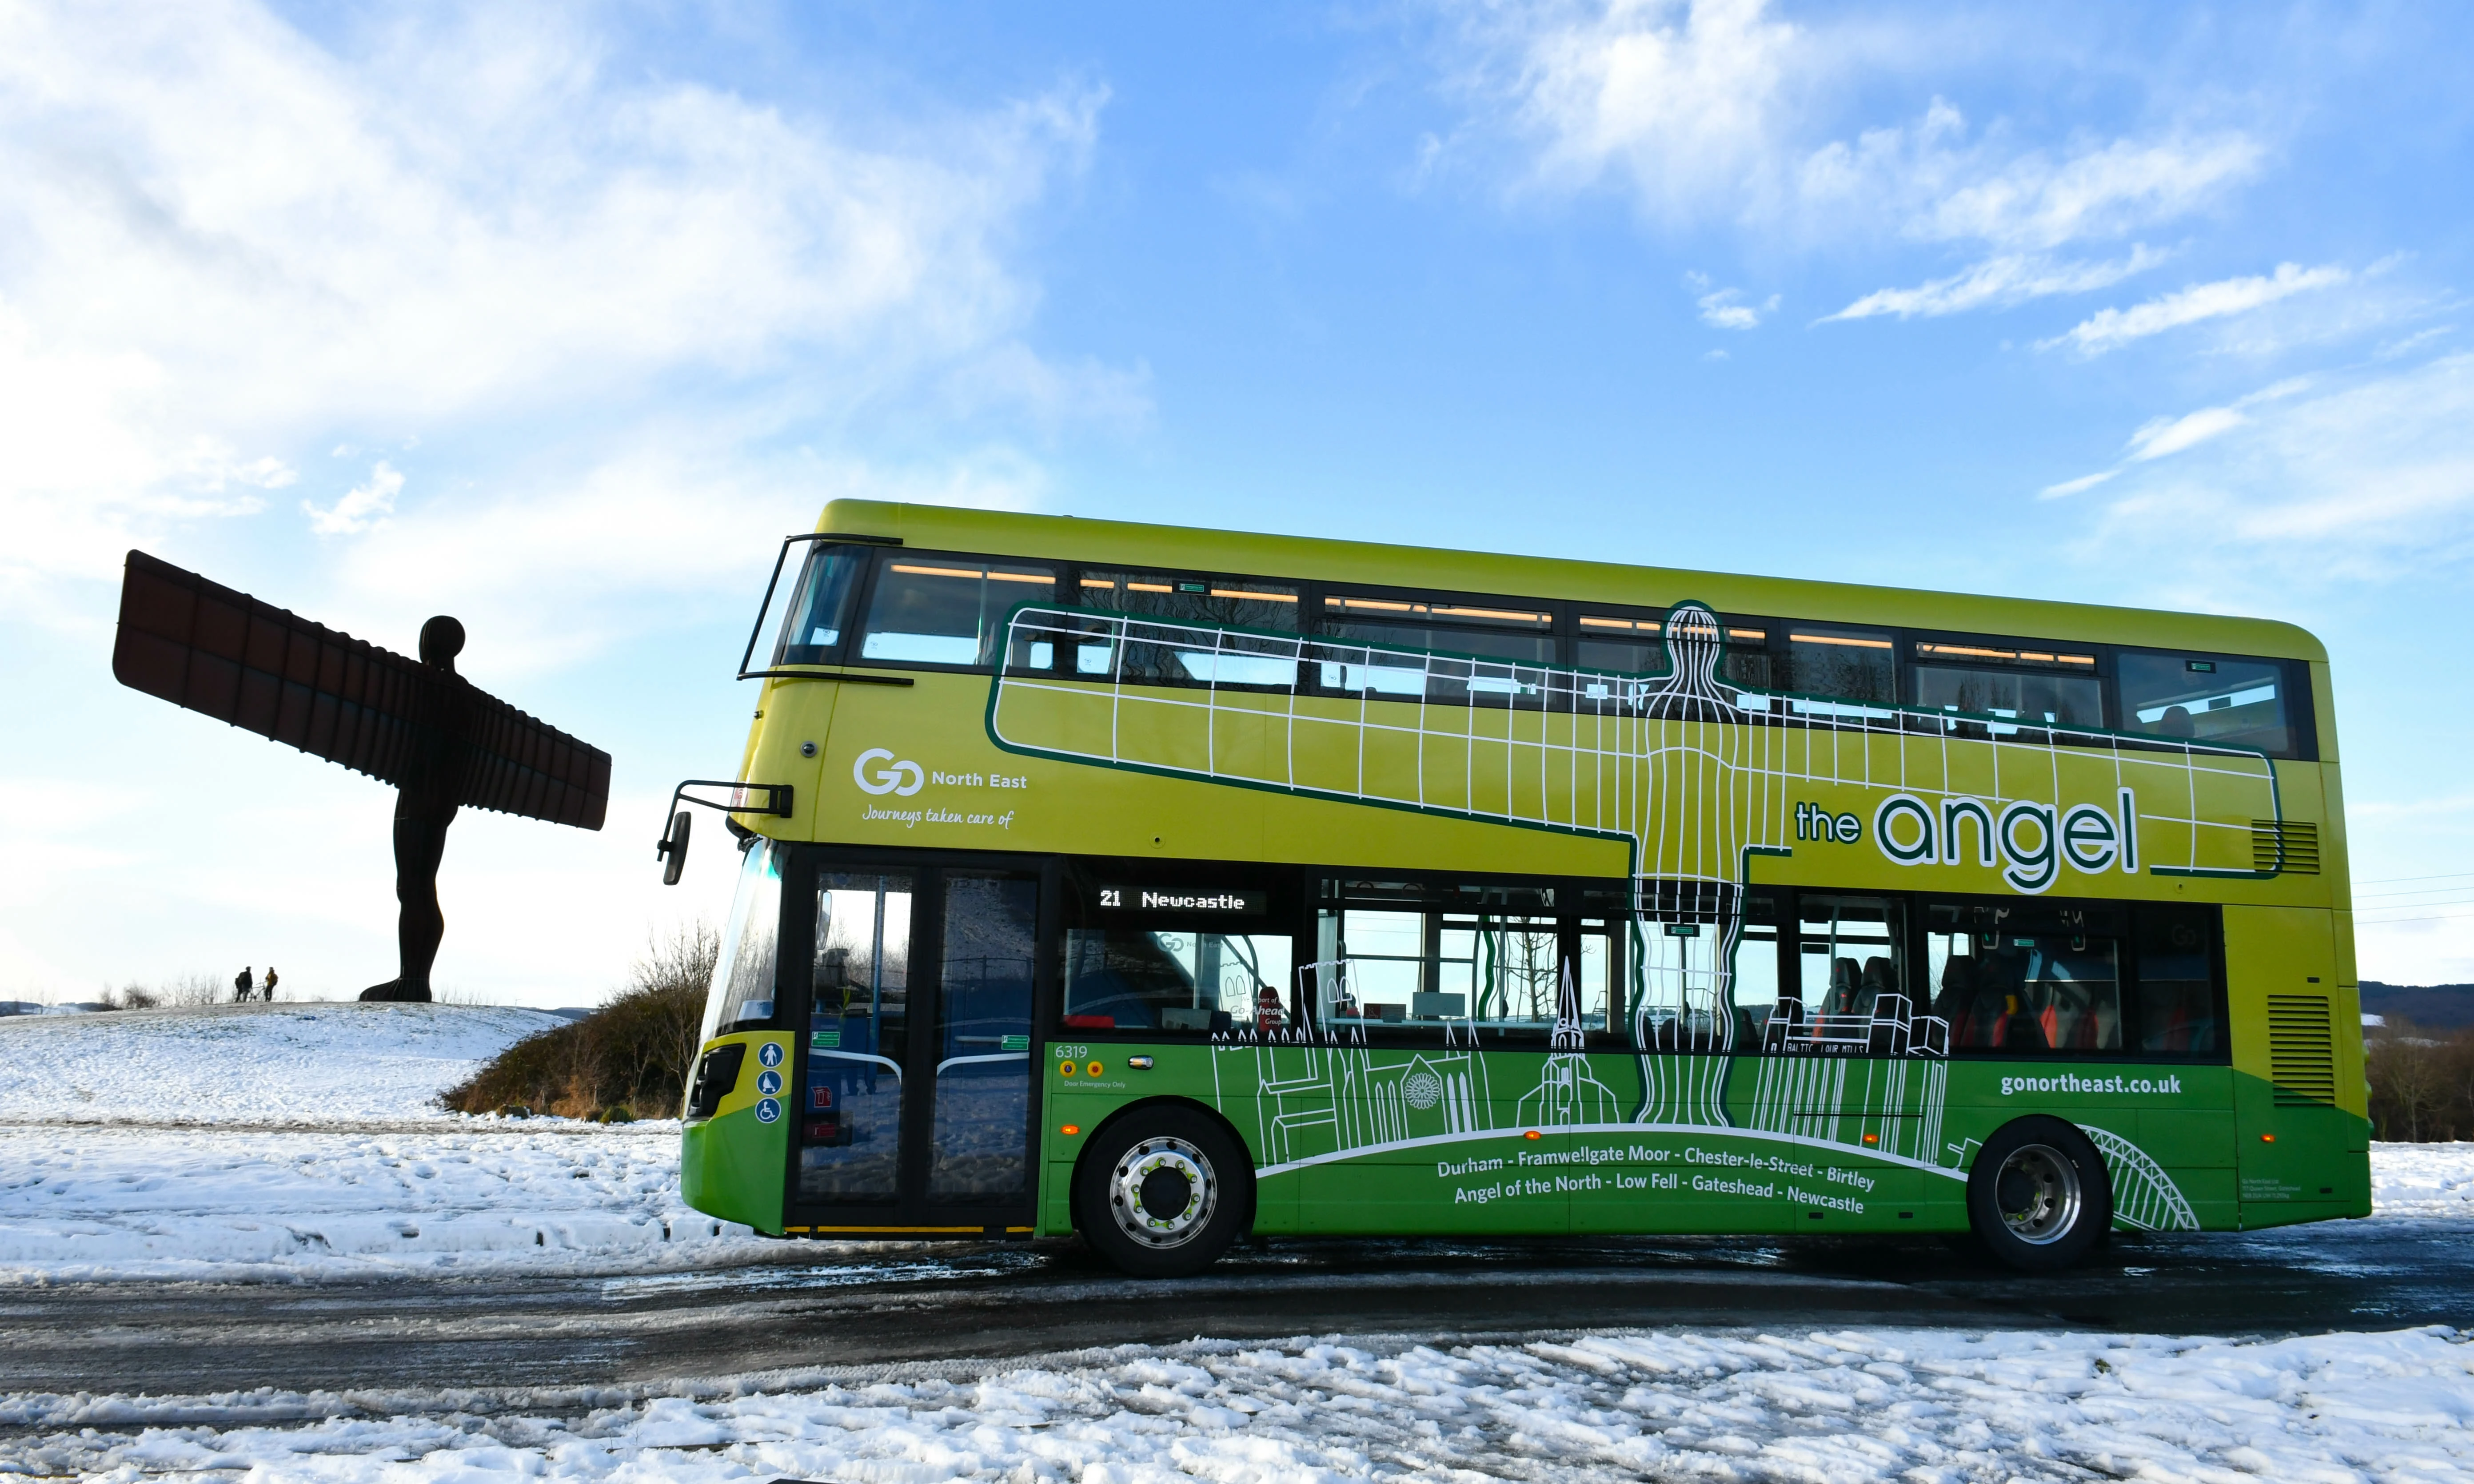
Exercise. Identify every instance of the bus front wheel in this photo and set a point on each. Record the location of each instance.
(1162, 1192)
(2038, 1196)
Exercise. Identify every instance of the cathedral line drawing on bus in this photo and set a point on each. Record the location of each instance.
(1163, 885)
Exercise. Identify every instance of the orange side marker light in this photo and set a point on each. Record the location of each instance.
(1070, 1130)
(1872, 1138)
(2268, 1138)
(1532, 1134)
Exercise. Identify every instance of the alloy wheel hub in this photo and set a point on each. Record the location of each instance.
(1162, 1191)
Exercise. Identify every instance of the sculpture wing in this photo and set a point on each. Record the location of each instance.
(203, 646)
(518, 764)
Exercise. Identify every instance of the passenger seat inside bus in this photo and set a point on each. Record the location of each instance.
(1956, 997)
(1999, 1019)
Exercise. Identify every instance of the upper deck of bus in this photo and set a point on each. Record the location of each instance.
(1316, 559)
(926, 701)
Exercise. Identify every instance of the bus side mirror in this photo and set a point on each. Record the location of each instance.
(672, 851)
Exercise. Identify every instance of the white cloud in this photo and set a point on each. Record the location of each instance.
(360, 507)
(1679, 99)
(2368, 479)
(1725, 309)
(224, 235)
(1706, 110)
(1938, 180)
(1998, 283)
(1714, 109)
(212, 466)
(2084, 483)
(2110, 328)
(2040, 201)
(2160, 435)
(657, 531)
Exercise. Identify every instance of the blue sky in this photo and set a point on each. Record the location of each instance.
(557, 321)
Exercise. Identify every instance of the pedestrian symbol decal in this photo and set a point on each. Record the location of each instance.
(769, 1054)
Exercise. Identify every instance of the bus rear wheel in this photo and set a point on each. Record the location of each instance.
(2038, 1196)
(1162, 1192)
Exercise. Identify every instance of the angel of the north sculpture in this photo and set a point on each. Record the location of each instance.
(415, 724)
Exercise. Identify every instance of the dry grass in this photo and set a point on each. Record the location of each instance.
(628, 1059)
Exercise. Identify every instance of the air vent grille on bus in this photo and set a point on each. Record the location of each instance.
(2301, 1050)
(2288, 846)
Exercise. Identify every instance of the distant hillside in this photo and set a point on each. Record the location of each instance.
(2432, 1006)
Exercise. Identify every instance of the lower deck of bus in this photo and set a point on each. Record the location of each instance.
(930, 1025)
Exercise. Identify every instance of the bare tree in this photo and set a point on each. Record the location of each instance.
(676, 971)
(2409, 1079)
(199, 987)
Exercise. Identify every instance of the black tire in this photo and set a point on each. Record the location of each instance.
(1154, 1159)
(2038, 1196)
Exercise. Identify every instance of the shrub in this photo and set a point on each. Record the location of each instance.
(633, 1052)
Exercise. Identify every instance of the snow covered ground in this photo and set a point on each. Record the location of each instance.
(306, 1141)
(1903, 1404)
(2423, 1179)
(308, 1064)
(261, 1205)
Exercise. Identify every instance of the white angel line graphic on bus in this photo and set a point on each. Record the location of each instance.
(1697, 773)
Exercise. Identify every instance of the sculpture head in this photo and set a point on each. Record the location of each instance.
(442, 640)
(1694, 639)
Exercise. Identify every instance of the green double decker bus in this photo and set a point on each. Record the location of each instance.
(1166, 885)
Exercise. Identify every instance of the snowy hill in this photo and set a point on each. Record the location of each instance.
(302, 1142)
(309, 1064)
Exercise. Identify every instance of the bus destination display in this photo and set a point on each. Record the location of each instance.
(1148, 898)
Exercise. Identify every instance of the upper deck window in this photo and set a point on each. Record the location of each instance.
(931, 609)
(1841, 665)
(820, 605)
(2206, 698)
(2048, 685)
(1180, 650)
(1214, 602)
(1508, 635)
(1638, 646)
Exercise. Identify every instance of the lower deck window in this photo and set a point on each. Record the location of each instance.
(2028, 992)
(1511, 973)
(1178, 982)
(1568, 964)
(2177, 999)
(1847, 990)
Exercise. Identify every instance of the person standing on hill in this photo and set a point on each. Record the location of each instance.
(242, 984)
(266, 987)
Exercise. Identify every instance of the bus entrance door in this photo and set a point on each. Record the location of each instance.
(916, 1113)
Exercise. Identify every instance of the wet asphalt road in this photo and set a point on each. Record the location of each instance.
(900, 1307)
